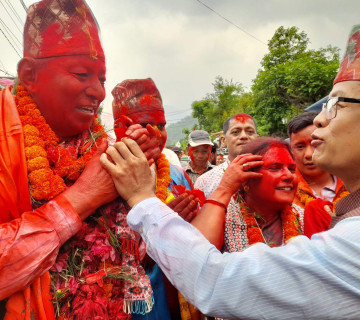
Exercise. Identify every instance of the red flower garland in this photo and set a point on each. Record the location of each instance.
(290, 223)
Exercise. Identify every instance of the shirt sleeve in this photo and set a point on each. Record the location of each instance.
(306, 279)
(29, 245)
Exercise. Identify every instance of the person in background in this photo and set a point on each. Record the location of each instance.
(178, 152)
(317, 188)
(199, 150)
(213, 154)
(261, 209)
(238, 130)
(306, 279)
(172, 156)
(220, 158)
(138, 107)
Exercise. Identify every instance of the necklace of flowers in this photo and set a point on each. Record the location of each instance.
(50, 165)
(163, 178)
(291, 226)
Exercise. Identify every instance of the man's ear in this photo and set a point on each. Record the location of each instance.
(223, 142)
(27, 72)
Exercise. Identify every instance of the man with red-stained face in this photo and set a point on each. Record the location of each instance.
(199, 150)
(50, 176)
(139, 114)
(238, 130)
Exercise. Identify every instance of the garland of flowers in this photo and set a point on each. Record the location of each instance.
(304, 192)
(49, 164)
(163, 178)
(290, 223)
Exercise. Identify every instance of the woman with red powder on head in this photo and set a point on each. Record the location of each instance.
(256, 194)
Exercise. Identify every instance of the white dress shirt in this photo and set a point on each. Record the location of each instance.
(306, 279)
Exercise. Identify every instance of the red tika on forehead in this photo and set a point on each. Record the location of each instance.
(137, 97)
(61, 28)
(242, 117)
(350, 66)
(277, 153)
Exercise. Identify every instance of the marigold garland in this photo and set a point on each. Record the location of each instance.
(304, 193)
(163, 178)
(48, 163)
(289, 220)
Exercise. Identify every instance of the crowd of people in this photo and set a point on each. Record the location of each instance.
(96, 229)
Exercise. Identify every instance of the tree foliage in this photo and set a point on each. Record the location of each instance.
(292, 78)
(216, 107)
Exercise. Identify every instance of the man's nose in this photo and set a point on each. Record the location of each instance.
(96, 90)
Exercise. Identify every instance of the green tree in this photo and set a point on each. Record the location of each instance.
(292, 78)
(216, 107)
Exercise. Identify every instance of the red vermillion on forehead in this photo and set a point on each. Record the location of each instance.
(242, 118)
(277, 153)
(56, 28)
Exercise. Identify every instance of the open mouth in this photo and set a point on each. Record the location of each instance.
(86, 109)
(285, 188)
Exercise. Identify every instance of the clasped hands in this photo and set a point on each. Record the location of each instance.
(129, 168)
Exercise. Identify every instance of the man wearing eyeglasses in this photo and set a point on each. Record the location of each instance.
(305, 279)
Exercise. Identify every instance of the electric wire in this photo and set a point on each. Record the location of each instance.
(11, 34)
(14, 11)
(23, 4)
(10, 42)
(232, 23)
(11, 17)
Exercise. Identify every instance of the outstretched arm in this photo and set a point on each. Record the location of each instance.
(299, 280)
(210, 220)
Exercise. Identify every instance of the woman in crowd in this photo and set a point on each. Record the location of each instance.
(258, 205)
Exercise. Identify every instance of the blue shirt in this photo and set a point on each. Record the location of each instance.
(306, 279)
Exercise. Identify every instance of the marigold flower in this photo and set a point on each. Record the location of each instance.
(34, 151)
(30, 130)
(37, 163)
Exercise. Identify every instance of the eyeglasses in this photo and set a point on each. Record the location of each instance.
(331, 106)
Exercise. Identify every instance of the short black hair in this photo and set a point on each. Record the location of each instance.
(301, 121)
(214, 147)
(226, 124)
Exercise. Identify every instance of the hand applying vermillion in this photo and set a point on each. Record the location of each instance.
(130, 171)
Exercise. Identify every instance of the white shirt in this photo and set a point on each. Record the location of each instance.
(210, 180)
(306, 279)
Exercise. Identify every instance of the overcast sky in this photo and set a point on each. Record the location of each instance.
(182, 45)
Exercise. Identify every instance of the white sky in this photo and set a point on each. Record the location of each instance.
(183, 45)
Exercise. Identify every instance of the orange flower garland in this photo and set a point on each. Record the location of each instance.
(290, 223)
(48, 164)
(163, 178)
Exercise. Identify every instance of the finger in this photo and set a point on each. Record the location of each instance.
(133, 149)
(136, 134)
(172, 204)
(133, 128)
(182, 205)
(152, 131)
(107, 164)
(114, 154)
(252, 175)
(251, 165)
(191, 216)
(140, 140)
